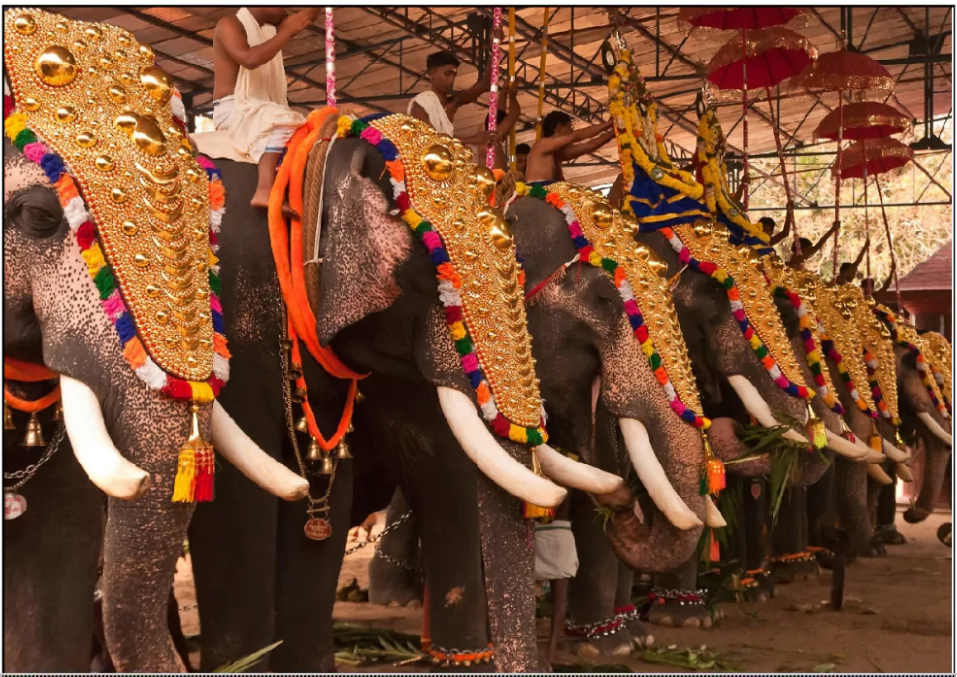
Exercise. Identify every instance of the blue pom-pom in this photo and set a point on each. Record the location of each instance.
(635, 321)
(688, 415)
(476, 377)
(439, 256)
(580, 241)
(218, 325)
(125, 327)
(388, 150)
(52, 165)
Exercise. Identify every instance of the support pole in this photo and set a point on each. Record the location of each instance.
(541, 75)
(511, 83)
(890, 245)
(330, 59)
(493, 94)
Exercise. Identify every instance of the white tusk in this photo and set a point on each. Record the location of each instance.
(935, 428)
(757, 407)
(92, 446)
(844, 447)
(652, 476)
(895, 454)
(488, 455)
(712, 516)
(876, 473)
(569, 473)
(903, 471)
(871, 455)
(248, 458)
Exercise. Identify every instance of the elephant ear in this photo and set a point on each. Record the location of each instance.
(362, 245)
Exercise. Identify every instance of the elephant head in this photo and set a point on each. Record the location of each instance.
(592, 352)
(89, 294)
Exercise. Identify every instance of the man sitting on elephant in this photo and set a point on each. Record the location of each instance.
(249, 87)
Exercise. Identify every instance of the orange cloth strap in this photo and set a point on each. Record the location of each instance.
(28, 372)
(288, 269)
(27, 406)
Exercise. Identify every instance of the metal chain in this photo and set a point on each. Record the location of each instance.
(27, 473)
(379, 536)
(317, 506)
(414, 568)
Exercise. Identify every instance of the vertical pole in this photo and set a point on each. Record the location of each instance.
(330, 59)
(541, 75)
(493, 94)
(744, 97)
(890, 246)
(511, 82)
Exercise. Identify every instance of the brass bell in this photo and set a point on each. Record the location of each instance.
(8, 418)
(58, 412)
(359, 396)
(342, 450)
(34, 436)
(302, 425)
(328, 467)
(295, 371)
(349, 428)
(313, 452)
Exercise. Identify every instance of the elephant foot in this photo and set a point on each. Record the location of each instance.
(393, 584)
(447, 660)
(800, 566)
(757, 585)
(617, 636)
(889, 535)
(682, 609)
(945, 534)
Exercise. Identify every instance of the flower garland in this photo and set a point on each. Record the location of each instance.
(814, 359)
(587, 253)
(876, 392)
(737, 309)
(923, 367)
(449, 284)
(101, 272)
(829, 349)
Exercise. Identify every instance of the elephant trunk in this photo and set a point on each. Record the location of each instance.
(723, 435)
(935, 470)
(759, 408)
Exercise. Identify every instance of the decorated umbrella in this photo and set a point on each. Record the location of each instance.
(840, 72)
(738, 18)
(875, 157)
(761, 59)
(863, 120)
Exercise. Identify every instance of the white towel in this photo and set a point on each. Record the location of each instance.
(429, 102)
(555, 554)
(260, 96)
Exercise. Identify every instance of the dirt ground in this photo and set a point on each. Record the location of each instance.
(897, 617)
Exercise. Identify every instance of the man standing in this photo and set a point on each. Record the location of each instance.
(561, 143)
(249, 86)
(808, 248)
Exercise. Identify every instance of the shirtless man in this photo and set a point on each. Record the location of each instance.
(521, 161)
(809, 249)
(561, 143)
(249, 85)
(439, 104)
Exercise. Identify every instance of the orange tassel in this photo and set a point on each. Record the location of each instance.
(714, 479)
(196, 465)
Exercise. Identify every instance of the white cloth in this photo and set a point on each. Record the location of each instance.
(429, 102)
(555, 554)
(259, 105)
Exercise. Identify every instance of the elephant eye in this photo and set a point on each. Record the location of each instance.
(36, 211)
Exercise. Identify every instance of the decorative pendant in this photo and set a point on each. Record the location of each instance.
(327, 465)
(8, 423)
(302, 425)
(317, 529)
(34, 436)
(313, 453)
(342, 451)
(14, 505)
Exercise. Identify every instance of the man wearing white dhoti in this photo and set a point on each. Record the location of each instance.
(249, 87)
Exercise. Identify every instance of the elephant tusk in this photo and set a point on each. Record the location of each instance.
(845, 448)
(92, 446)
(895, 454)
(569, 473)
(903, 471)
(712, 516)
(652, 476)
(935, 428)
(493, 461)
(248, 458)
(876, 473)
(760, 409)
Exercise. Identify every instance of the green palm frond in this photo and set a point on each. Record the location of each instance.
(248, 662)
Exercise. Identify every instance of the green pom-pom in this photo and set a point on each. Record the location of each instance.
(463, 346)
(654, 360)
(762, 351)
(23, 138)
(423, 228)
(357, 127)
(609, 265)
(728, 282)
(534, 437)
(214, 284)
(538, 191)
(105, 284)
(816, 368)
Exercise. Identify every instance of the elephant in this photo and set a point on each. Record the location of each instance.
(375, 305)
(123, 428)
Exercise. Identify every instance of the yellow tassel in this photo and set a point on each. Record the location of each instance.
(874, 441)
(530, 511)
(815, 429)
(196, 465)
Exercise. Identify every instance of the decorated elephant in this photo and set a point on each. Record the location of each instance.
(109, 281)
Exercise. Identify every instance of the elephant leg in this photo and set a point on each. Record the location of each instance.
(675, 602)
(176, 630)
(50, 558)
(591, 600)
(143, 541)
(886, 512)
(390, 584)
(625, 607)
(790, 559)
(306, 581)
(233, 545)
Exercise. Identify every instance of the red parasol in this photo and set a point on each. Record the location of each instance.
(863, 120)
(765, 59)
(738, 18)
(870, 158)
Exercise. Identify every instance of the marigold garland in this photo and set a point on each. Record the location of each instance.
(449, 284)
(727, 282)
(636, 319)
(101, 272)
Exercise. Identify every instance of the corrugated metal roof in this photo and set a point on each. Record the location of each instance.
(934, 273)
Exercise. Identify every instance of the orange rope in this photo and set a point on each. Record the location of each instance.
(28, 372)
(27, 406)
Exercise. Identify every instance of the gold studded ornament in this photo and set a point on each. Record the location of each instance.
(94, 96)
(879, 346)
(939, 353)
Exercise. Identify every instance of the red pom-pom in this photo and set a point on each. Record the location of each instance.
(453, 314)
(85, 235)
(177, 388)
(501, 426)
(403, 202)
